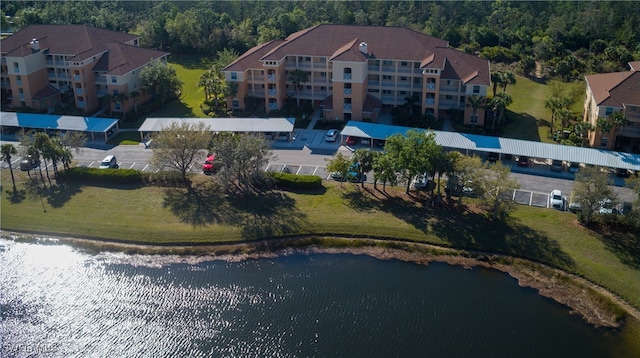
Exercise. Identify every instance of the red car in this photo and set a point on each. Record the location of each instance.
(207, 167)
(350, 140)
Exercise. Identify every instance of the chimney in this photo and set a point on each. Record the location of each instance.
(363, 48)
(35, 46)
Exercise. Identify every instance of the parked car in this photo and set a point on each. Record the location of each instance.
(574, 203)
(606, 207)
(493, 157)
(555, 200)
(574, 167)
(557, 165)
(453, 188)
(207, 167)
(350, 140)
(331, 135)
(29, 162)
(523, 161)
(337, 176)
(623, 173)
(109, 162)
(421, 182)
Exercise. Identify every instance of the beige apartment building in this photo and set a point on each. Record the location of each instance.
(356, 72)
(614, 92)
(44, 66)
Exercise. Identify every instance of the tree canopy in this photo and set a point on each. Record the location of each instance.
(160, 80)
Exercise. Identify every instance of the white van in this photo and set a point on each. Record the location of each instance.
(109, 162)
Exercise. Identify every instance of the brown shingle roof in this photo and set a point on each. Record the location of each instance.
(340, 42)
(80, 40)
(614, 89)
(635, 65)
(251, 58)
(383, 42)
(46, 92)
(121, 59)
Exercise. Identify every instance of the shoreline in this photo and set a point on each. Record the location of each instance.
(596, 305)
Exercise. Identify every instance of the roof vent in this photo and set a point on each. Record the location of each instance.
(363, 48)
(35, 45)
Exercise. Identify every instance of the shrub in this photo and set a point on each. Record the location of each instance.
(121, 176)
(295, 181)
(163, 178)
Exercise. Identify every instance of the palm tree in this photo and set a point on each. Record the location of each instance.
(7, 151)
(134, 96)
(554, 104)
(298, 77)
(564, 115)
(582, 129)
(618, 120)
(499, 105)
(411, 101)
(508, 78)
(496, 79)
(475, 102)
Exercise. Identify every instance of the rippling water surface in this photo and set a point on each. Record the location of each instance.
(57, 301)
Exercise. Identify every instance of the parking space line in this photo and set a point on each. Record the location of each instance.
(298, 171)
(131, 167)
(530, 198)
(267, 168)
(314, 171)
(145, 167)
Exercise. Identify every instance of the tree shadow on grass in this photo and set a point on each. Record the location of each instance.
(474, 231)
(259, 215)
(56, 195)
(463, 229)
(622, 241)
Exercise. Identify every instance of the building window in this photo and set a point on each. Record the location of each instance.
(115, 92)
(236, 103)
(403, 78)
(347, 73)
(234, 76)
(386, 63)
(608, 111)
(113, 79)
(16, 67)
(603, 142)
(117, 106)
(449, 97)
(403, 63)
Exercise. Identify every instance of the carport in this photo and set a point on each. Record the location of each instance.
(470, 143)
(91, 125)
(236, 125)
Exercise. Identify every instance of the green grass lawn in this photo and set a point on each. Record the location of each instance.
(527, 117)
(166, 215)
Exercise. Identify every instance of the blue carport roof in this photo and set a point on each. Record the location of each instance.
(57, 122)
(500, 145)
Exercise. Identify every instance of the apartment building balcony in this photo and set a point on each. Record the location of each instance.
(76, 78)
(271, 78)
(304, 64)
(388, 84)
(258, 78)
(404, 85)
(101, 79)
(346, 76)
(273, 106)
(430, 102)
(61, 63)
(273, 93)
(417, 85)
(320, 80)
(102, 93)
(374, 68)
(19, 83)
(374, 83)
(388, 69)
(405, 69)
(431, 86)
(320, 66)
(346, 108)
(21, 96)
(449, 104)
(388, 99)
(630, 131)
(257, 93)
(347, 92)
(81, 104)
(78, 91)
(449, 89)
